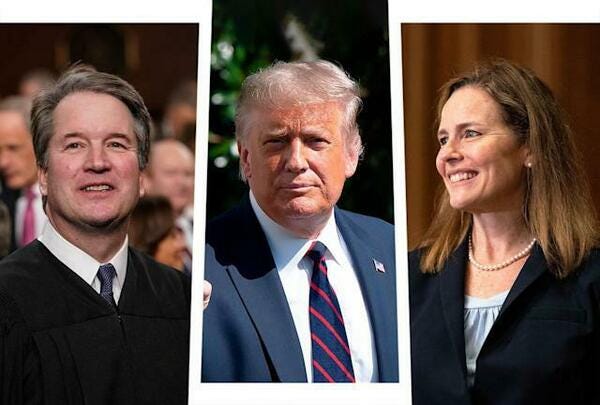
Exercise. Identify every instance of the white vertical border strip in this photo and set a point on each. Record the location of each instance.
(204, 8)
(506, 11)
(107, 11)
(400, 215)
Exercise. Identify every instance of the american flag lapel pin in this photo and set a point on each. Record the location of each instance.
(378, 266)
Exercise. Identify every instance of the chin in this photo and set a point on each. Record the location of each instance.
(461, 205)
(304, 209)
(104, 223)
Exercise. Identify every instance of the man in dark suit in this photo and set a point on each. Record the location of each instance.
(302, 290)
(84, 318)
(20, 189)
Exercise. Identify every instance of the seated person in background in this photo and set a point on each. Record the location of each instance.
(180, 110)
(18, 169)
(4, 230)
(152, 230)
(170, 173)
(34, 81)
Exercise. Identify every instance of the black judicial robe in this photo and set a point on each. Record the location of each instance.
(62, 343)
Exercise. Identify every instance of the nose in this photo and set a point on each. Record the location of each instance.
(450, 151)
(97, 159)
(296, 161)
(4, 160)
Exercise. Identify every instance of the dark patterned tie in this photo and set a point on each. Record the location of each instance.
(106, 274)
(331, 358)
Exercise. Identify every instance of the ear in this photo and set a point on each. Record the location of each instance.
(143, 183)
(245, 163)
(351, 159)
(43, 181)
(528, 161)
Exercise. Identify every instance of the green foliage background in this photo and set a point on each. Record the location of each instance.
(248, 35)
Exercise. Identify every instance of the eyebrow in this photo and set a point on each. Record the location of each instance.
(460, 126)
(110, 135)
(275, 131)
(315, 130)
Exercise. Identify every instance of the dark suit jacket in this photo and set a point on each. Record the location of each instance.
(249, 333)
(62, 343)
(543, 348)
(10, 197)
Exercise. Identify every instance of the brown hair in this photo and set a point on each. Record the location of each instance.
(152, 220)
(80, 78)
(557, 208)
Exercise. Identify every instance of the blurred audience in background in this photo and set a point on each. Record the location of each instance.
(18, 169)
(5, 230)
(35, 81)
(170, 173)
(153, 231)
(180, 110)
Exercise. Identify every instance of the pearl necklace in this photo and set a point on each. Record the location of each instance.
(506, 263)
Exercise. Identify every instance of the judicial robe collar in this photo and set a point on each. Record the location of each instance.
(81, 263)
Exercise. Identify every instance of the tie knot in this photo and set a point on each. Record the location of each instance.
(29, 194)
(106, 273)
(316, 251)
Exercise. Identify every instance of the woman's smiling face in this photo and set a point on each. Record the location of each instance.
(481, 159)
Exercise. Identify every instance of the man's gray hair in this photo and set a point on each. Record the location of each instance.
(19, 105)
(290, 84)
(82, 78)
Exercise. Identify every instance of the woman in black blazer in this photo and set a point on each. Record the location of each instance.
(505, 287)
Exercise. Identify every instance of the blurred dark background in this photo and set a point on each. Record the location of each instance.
(154, 58)
(251, 34)
(565, 56)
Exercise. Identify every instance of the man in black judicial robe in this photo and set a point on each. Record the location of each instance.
(64, 343)
(84, 318)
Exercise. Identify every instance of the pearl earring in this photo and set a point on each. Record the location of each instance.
(528, 164)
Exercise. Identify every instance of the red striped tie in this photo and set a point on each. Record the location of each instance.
(331, 357)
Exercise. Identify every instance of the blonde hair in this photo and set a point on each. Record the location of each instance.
(557, 208)
(289, 84)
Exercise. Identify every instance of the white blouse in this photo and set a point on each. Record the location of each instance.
(480, 315)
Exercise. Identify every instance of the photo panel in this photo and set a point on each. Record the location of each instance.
(248, 325)
(434, 53)
(430, 44)
(155, 48)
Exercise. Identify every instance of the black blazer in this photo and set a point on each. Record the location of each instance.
(544, 347)
(249, 333)
(10, 197)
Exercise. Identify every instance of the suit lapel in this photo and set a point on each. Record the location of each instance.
(256, 279)
(533, 269)
(379, 290)
(452, 295)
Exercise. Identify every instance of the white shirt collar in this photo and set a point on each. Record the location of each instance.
(288, 249)
(84, 265)
(35, 188)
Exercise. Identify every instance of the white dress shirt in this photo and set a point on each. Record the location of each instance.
(39, 215)
(295, 272)
(186, 224)
(82, 264)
